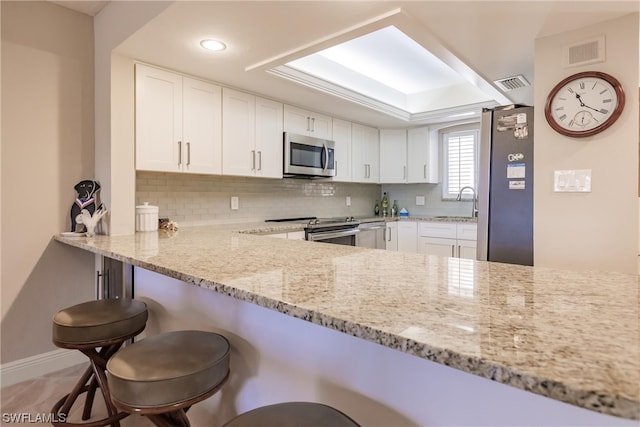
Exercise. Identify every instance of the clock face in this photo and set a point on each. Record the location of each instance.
(584, 104)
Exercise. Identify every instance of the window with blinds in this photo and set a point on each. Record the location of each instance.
(460, 151)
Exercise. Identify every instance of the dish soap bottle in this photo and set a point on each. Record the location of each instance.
(376, 209)
(385, 204)
(394, 208)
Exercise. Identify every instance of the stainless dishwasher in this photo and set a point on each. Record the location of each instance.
(371, 235)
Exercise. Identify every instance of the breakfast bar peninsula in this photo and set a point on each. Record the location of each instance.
(393, 339)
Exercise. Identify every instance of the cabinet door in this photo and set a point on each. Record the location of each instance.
(365, 154)
(321, 126)
(467, 249)
(296, 120)
(466, 231)
(437, 246)
(202, 127)
(372, 141)
(358, 154)
(407, 237)
(393, 156)
(342, 154)
(238, 133)
(391, 236)
(446, 230)
(269, 138)
(305, 122)
(158, 119)
(422, 157)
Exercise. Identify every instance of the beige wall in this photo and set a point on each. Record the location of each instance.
(47, 147)
(596, 230)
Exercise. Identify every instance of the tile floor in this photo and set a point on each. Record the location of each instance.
(39, 395)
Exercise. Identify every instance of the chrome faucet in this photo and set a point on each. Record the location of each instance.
(474, 208)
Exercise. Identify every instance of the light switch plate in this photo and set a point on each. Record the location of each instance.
(348, 200)
(572, 181)
(419, 200)
(235, 201)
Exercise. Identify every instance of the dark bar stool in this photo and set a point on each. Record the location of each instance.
(162, 376)
(293, 414)
(97, 329)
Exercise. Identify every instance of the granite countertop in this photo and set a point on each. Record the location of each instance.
(570, 336)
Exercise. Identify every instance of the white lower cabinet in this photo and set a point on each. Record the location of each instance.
(457, 240)
(290, 235)
(407, 236)
(391, 236)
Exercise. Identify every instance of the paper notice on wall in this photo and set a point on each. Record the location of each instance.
(516, 170)
(516, 185)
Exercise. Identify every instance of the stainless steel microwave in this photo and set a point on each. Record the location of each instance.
(306, 156)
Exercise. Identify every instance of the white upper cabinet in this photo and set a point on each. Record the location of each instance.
(201, 126)
(422, 158)
(393, 156)
(365, 154)
(178, 123)
(251, 135)
(269, 138)
(305, 122)
(408, 156)
(342, 153)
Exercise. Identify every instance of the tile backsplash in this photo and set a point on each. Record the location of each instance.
(203, 199)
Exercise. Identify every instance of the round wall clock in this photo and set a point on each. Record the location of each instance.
(584, 104)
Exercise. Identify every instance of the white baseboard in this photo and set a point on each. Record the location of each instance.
(38, 365)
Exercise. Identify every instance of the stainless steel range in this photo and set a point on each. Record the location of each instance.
(341, 231)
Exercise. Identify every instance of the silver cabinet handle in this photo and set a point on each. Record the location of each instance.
(404, 172)
(453, 251)
(253, 160)
(308, 124)
(313, 124)
(188, 153)
(425, 171)
(179, 153)
(259, 160)
(459, 251)
(335, 166)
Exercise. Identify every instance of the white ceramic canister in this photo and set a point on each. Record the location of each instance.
(146, 217)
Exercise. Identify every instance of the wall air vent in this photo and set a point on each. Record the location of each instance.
(584, 52)
(510, 83)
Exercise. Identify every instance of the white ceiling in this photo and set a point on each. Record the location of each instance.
(490, 40)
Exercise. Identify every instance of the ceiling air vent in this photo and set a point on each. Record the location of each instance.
(584, 52)
(511, 83)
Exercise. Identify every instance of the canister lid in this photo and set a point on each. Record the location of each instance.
(146, 208)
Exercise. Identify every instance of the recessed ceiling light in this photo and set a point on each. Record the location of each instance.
(214, 45)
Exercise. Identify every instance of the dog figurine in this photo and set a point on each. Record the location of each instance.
(86, 199)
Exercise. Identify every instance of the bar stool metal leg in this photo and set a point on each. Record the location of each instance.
(93, 377)
(98, 329)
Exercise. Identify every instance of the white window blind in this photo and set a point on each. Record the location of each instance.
(460, 160)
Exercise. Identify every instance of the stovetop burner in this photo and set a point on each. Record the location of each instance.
(313, 222)
(304, 218)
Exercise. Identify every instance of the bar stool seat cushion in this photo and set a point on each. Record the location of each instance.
(168, 368)
(98, 321)
(293, 414)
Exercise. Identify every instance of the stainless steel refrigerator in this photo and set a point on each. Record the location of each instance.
(505, 186)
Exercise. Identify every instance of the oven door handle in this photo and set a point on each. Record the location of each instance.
(324, 235)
